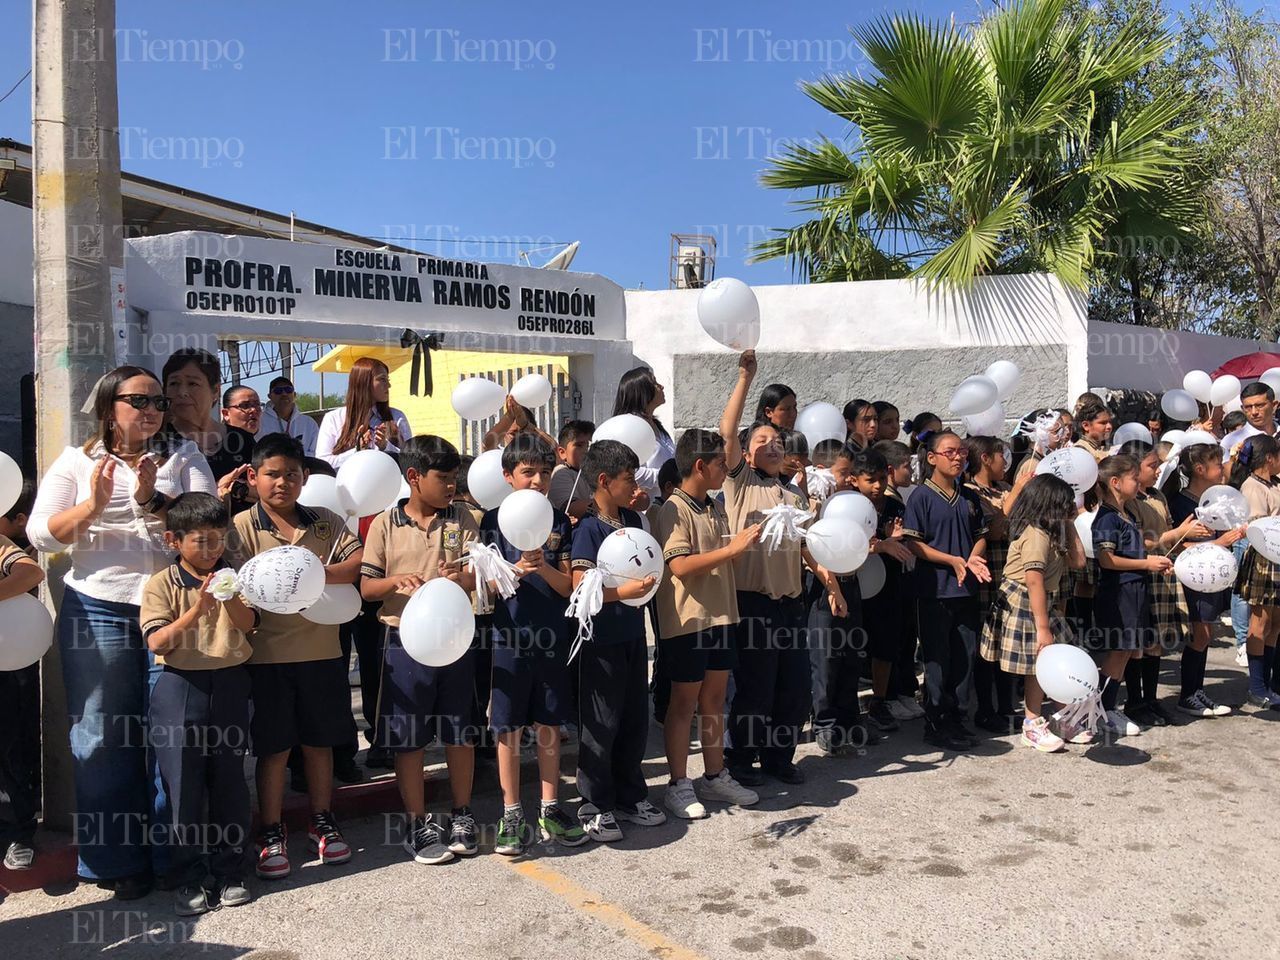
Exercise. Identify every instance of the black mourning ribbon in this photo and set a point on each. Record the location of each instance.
(422, 345)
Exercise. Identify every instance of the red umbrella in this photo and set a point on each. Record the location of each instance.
(1250, 365)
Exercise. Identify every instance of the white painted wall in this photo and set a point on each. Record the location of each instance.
(1139, 358)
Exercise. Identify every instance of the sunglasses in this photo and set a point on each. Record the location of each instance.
(140, 401)
(246, 406)
(281, 391)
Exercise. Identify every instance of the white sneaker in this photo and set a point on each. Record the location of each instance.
(1242, 656)
(603, 828)
(1215, 709)
(913, 708)
(723, 788)
(1199, 705)
(1123, 726)
(683, 802)
(645, 814)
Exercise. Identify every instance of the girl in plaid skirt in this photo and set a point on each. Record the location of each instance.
(1258, 582)
(993, 688)
(1022, 620)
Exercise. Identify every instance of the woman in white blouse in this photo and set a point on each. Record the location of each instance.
(640, 393)
(103, 504)
(367, 421)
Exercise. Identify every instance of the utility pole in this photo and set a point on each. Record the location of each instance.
(79, 265)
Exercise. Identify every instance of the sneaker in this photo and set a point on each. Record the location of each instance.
(19, 856)
(683, 802)
(190, 901)
(910, 705)
(1036, 734)
(1123, 725)
(513, 835)
(897, 710)
(326, 839)
(1242, 656)
(644, 814)
(1219, 710)
(233, 893)
(555, 824)
(426, 841)
(603, 828)
(1199, 705)
(723, 788)
(1263, 701)
(462, 832)
(880, 715)
(273, 857)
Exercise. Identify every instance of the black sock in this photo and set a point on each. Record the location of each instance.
(1110, 694)
(1133, 683)
(1192, 671)
(1150, 679)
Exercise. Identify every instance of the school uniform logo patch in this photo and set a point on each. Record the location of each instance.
(553, 542)
(323, 529)
(453, 539)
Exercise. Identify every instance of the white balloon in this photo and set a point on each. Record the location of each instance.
(1072, 465)
(821, 421)
(368, 482)
(1084, 527)
(26, 631)
(1272, 379)
(485, 480)
(1199, 384)
(1167, 470)
(729, 313)
(525, 519)
(1237, 436)
(1066, 673)
(1176, 437)
(321, 490)
(1264, 536)
(631, 430)
(338, 603)
(437, 624)
(1206, 567)
(10, 483)
(1222, 507)
(1192, 437)
(1225, 388)
(871, 576)
(478, 398)
(1131, 431)
(404, 492)
(1232, 405)
(1179, 405)
(630, 554)
(988, 423)
(284, 579)
(838, 543)
(532, 390)
(851, 505)
(973, 395)
(1006, 375)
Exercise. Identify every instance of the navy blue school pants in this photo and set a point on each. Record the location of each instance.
(837, 647)
(613, 723)
(948, 638)
(772, 694)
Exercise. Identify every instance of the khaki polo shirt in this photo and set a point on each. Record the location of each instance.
(683, 527)
(1263, 497)
(747, 495)
(397, 546)
(214, 642)
(1152, 514)
(1098, 453)
(291, 637)
(1034, 551)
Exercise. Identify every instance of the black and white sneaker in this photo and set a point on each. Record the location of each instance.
(426, 841)
(462, 832)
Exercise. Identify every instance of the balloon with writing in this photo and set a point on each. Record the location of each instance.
(284, 579)
(1073, 466)
(1067, 674)
(1206, 568)
(1264, 536)
(1222, 507)
(627, 555)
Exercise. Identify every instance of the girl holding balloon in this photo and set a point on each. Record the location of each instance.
(1258, 584)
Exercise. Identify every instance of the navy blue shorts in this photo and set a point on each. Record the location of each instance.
(1206, 607)
(306, 703)
(687, 659)
(420, 704)
(530, 686)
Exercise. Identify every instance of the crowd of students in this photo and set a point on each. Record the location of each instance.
(171, 684)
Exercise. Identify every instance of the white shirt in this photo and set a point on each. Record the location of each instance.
(116, 556)
(647, 475)
(299, 425)
(331, 429)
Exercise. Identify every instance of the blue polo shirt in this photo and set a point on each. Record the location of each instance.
(616, 622)
(524, 619)
(949, 523)
(1117, 533)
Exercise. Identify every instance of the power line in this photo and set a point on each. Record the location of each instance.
(16, 85)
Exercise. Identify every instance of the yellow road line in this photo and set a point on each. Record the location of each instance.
(585, 901)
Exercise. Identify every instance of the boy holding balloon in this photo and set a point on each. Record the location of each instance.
(417, 540)
(299, 676)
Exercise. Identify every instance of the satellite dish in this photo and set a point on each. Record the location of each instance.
(565, 257)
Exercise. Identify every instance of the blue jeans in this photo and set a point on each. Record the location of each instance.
(106, 672)
(1239, 609)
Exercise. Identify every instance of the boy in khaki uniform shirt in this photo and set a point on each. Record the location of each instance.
(300, 692)
(199, 709)
(698, 621)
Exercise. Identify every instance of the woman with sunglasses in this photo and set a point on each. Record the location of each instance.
(103, 504)
(281, 415)
(192, 381)
(242, 409)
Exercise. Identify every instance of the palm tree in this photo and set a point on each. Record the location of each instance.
(1006, 147)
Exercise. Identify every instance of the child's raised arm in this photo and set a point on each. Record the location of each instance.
(24, 575)
(732, 415)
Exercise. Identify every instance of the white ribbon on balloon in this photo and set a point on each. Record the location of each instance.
(585, 602)
(224, 585)
(1085, 714)
(783, 523)
(488, 563)
(820, 482)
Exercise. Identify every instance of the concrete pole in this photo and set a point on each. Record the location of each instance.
(78, 242)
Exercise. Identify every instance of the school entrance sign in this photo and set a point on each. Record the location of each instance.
(192, 289)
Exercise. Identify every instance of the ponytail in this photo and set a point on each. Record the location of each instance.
(1254, 452)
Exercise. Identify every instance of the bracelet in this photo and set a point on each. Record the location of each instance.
(157, 502)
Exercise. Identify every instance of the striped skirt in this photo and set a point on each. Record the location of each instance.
(1258, 581)
(1009, 634)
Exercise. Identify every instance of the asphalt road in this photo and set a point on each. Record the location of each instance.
(1164, 845)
